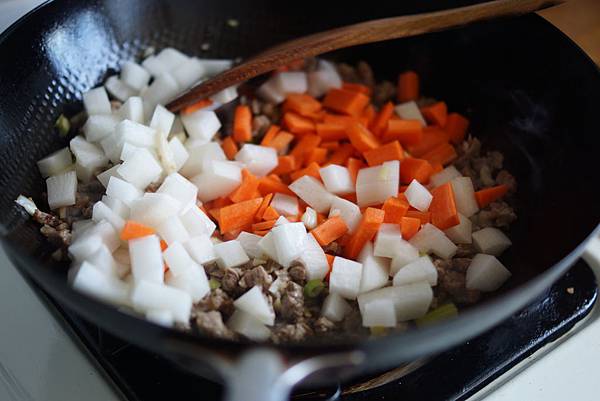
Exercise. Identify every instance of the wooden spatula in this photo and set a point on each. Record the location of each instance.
(352, 35)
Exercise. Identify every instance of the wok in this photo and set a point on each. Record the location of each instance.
(528, 90)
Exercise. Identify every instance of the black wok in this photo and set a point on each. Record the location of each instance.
(528, 90)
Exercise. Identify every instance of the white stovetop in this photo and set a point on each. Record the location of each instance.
(40, 362)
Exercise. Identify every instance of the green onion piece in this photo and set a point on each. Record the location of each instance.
(214, 284)
(440, 313)
(313, 288)
(378, 330)
(63, 125)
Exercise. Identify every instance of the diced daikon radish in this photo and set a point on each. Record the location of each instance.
(103, 260)
(289, 240)
(92, 238)
(309, 218)
(267, 246)
(271, 92)
(345, 277)
(89, 157)
(314, 260)
(180, 154)
(201, 156)
(291, 82)
(112, 146)
(96, 101)
(311, 191)
(119, 89)
(201, 249)
(136, 134)
(409, 111)
(335, 308)
(375, 184)
(91, 281)
(99, 126)
(101, 211)
(55, 163)
(79, 227)
(201, 124)
(197, 222)
(387, 241)
(132, 110)
(154, 66)
(193, 281)
(122, 190)
(491, 240)
(188, 73)
(464, 195)
(337, 179)
(191, 143)
(116, 206)
(161, 90)
(172, 230)
(421, 269)
(410, 301)
(179, 188)
(171, 58)
(256, 304)
(405, 253)
(432, 239)
(165, 155)
(375, 271)
(62, 189)
(141, 169)
(162, 317)
(379, 313)
(146, 259)
(129, 150)
(27, 203)
(225, 96)
(281, 220)
(162, 120)
(418, 196)
(444, 176)
(177, 258)
(259, 160)
(152, 209)
(460, 233)
(147, 295)
(134, 75)
(214, 66)
(230, 254)
(285, 205)
(348, 211)
(249, 326)
(322, 79)
(486, 273)
(218, 179)
(250, 244)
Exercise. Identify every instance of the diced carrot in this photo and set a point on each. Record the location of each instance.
(424, 217)
(268, 185)
(215, 213)
(354, 87)
(443, 207)
(415, 169)
(275, 177)
(443, 154)
(220, 202)
(321, 218)
(247, 188)
(366, 230)
(331, 131)
(384, 153)
(317, 155)
(306, 145)
(341, 155)
(316, 116)
(369, 115)
(285, 165)
(264, 225)
(402, 197)
(402, 189)
(330, 230)
(281, 141)
(408, 132)
(302, 104)
(353, 165)
(361, 138)
(330, 145)
(394, 210)
(432, 137)
(297, 124)
(312, 169)
(293, 219)
(456, 127)
(197, 106)
(261, 233)
(133, 229)
(242, 123)
(409, 227)
(349, 197)
(488, 195)
(270, 214)
(380, 122)
(229, 147)
(436, 113)
(330, 259)
(437, 167)
(238, 215)
(263, 206)
(346, 102)
(163, 245)
(329, 118)
(270, 135)
(231, 235)
(408, 86)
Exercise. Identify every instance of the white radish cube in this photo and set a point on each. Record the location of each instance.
(161, 90)
(250, 244)
(122, 190)
(375, 272)
(55, 163)
(249, 326)
(491, 241)
(134, 75)
(62, 189)
(188, 73)
(322, 79)
(405, 254)
(79, 227)
(92, 238)
(379, 313)
(444, 176)
(147, 295)
(267, 246)
(348, 211)
(165, 155)
(99, 126)
(201, 156)
(101, 211)
(281, 220)
(201, 124)
(277, 285)
(104, 176)
(256, 304)
(271, 92)
(410, 301)
(410, 111)
(309, 218)
(141, 169)
(103, 260)
(285, 205)
(201, 249)
(464, 195)
(193, 281)
(218, 179)
(335, 308)
(146, 259)
(314, 260)
(96, 101)
(119, 89)
(133, 110)
(129, 150)
(375, 184)
(172, 230)
(291, 82)
(162, 120)
(337, 179)
(421, 269)
(161, 317)
(116, 206)
(290, 240)
(259, 160)
(177, 259)
(418, 196)
(170, 58)
(112, 146)
(135, 134)
(345, 277)
(180, 154)
(230, 254)
(214, 66)
(89, 158)
(486, 273)
(432, 239)
(197, 222)
(460, 233)
(152, 209)
(387, 241)
(95, 283)
(225, 96)
(179, 188)
(154, 66)
(311, 191)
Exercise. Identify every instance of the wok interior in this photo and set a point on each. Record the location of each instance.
(527, 90)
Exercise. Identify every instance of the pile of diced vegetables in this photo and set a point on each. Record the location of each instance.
(379, 183)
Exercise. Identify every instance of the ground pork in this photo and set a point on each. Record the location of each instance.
(229, 282)
(365, 74)
(211, 323)
(292, 301)
(297, 273)
(216, 300)
(282, 333)
(323, 325)
(452, 280)
(255, 276)
(497, 214)
(383, 92)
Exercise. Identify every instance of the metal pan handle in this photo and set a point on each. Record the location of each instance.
(591, 255)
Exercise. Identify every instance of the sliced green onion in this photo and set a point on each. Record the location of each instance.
(313, 288)
(440, 313)
(63, 125)
(214, 284)
(378, 331)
